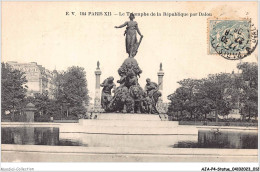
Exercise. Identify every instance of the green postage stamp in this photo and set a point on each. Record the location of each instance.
(232, 39)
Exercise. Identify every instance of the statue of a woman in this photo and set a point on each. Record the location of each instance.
(130, 35)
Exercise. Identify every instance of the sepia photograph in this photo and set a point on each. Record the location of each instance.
(85, 81)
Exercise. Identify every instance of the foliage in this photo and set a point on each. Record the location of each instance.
(215, 89)
(249, 93)
(13, 89)
(46, 107)
(71, 92)
(217, 93)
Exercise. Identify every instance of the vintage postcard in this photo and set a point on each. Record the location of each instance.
(130, 82)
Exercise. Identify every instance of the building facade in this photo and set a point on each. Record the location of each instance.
(40, 80)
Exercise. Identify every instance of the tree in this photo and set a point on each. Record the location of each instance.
(204, 104)
(214, 89)
(178, 102)
(13, 89)
(191, 86)
(249, 89)
(218, 93)
(200, 97)
(249, 73)
(71, 92)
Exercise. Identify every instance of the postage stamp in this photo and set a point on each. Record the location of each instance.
(232, 39)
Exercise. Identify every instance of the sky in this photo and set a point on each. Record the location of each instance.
(42, 32)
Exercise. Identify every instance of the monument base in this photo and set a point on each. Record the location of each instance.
(118, 123)
(128, 117)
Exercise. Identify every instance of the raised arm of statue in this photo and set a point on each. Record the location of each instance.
(123, 25)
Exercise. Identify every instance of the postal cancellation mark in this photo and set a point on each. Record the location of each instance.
(232, 39)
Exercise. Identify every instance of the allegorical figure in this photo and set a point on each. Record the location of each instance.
(152, 91)
(106, 96)
(130, 35)
(129, 73)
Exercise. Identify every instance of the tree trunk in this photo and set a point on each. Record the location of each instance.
(243, 116)
(249, 117)
(13, 110)
(216, 115)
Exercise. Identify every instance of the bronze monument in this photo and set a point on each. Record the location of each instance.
(129, 96)
(131, 43)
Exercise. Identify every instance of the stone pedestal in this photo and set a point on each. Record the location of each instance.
(128, 117)
(130, 124)
(29, 112)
